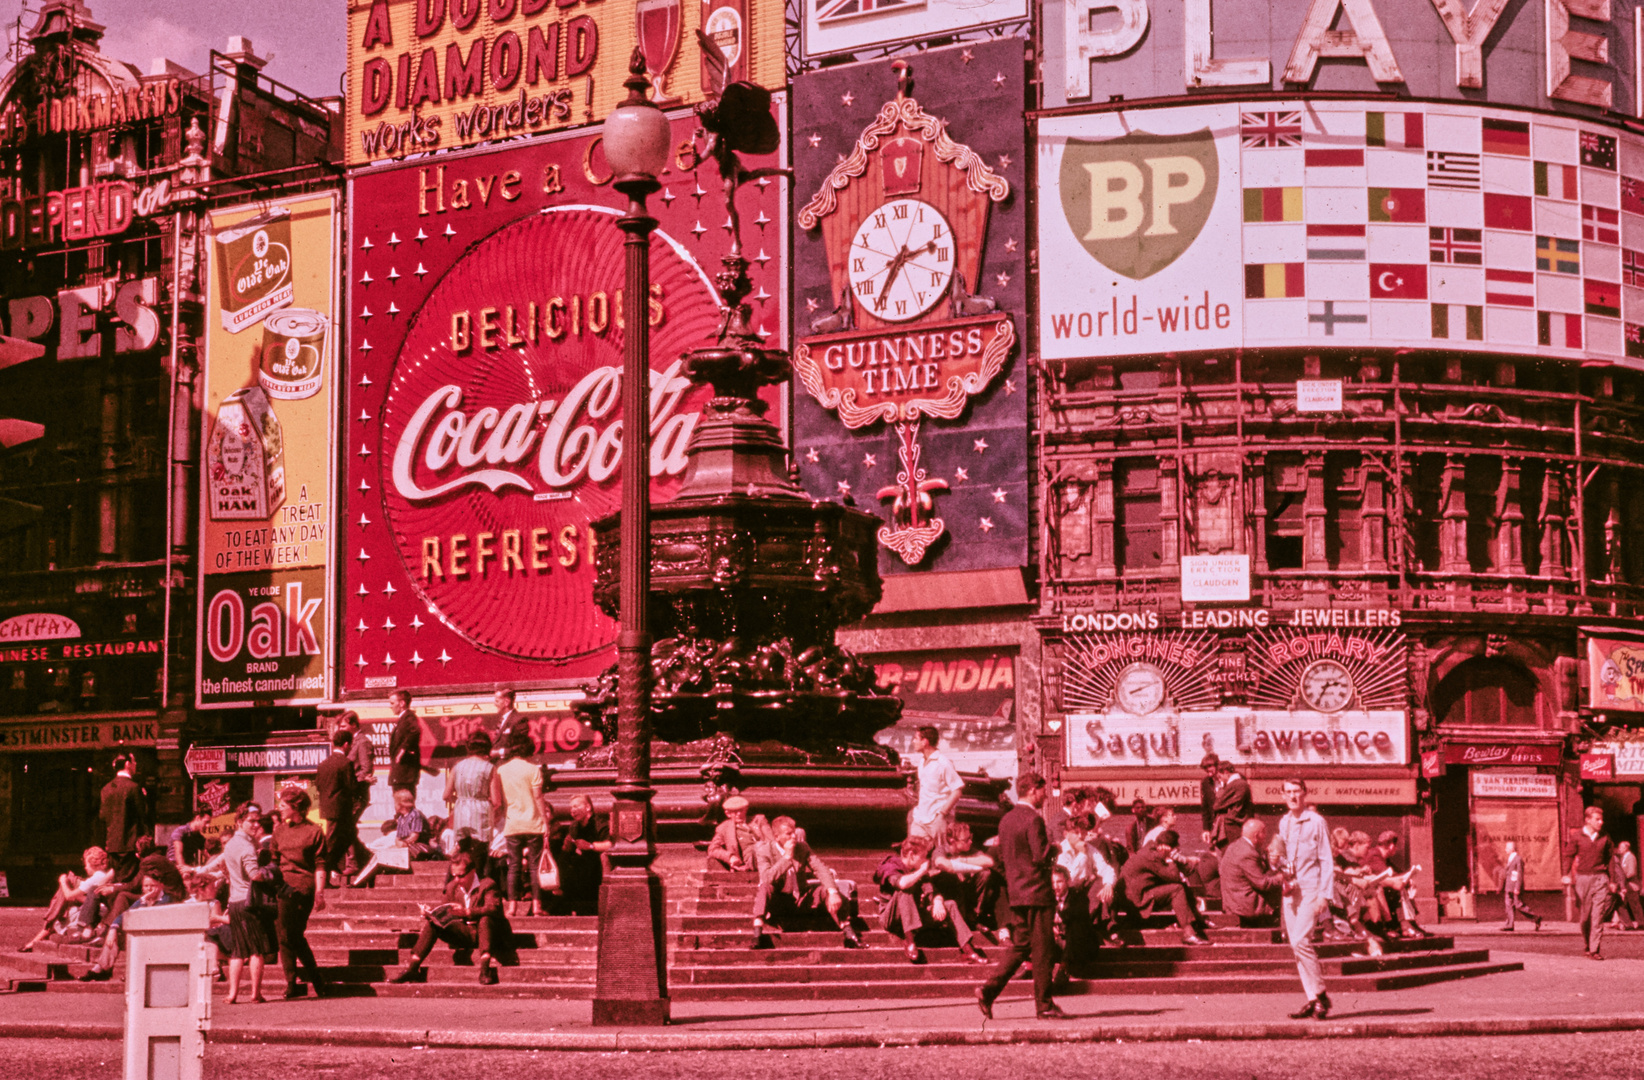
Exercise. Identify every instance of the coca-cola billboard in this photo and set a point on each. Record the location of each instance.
(484, 418)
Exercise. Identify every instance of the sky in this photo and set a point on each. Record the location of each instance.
(307, 38)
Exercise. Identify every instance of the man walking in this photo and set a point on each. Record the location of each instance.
(1512, 888)
(1207, 795)
(338, 789)
(1310, 870)
(362, 754)
(1624, 871)
(1591, 871)
(939, 789)
(126, 816)
(1025, 849)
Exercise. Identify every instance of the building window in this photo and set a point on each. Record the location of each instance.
(1490, 691)
(1138, 528)
(1286, 522)
(1344, 510)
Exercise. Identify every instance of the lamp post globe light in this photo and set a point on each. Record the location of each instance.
(630, 981)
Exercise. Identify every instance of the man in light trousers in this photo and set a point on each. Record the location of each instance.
(1308, 865)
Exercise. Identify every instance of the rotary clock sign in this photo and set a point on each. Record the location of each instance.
(907, 317)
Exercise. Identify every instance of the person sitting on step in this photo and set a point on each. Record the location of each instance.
(1400, 889)
(469, 918)
(152, 894)
(732, 847)
(1358, 893)
(911, 899)
(965, 876)
(1152, 876)
(1251, 889)
(793, 880)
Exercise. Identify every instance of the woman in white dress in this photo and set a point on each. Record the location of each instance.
(468, 791)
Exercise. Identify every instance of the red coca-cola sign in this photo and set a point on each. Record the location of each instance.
(485, 425)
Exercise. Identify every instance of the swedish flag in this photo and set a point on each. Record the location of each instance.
(1558, 255)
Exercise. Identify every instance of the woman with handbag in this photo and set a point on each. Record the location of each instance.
(468, 795)
(298, 844)
(516, 787)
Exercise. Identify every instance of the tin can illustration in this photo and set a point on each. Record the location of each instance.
(291, 363)
(254, 269)
(245, 459)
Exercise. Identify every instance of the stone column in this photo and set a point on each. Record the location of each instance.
(1453, 517)
(1509, 546)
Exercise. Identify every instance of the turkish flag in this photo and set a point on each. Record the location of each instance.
(1398, 281)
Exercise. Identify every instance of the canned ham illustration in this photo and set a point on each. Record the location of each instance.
(291, 363)
(245, 459)
(254, 269)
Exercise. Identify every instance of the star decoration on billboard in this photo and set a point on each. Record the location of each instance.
(986, 525)
(980, 445)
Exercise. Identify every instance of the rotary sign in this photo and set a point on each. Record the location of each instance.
(484, 429)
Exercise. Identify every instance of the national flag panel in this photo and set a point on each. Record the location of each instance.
(1334, 157)
(1403, 205)
(1603, 298)
(1600, 226)
(1335, 242)
(1445, 169)
(1273, 204)
(1338, 318)
(1463, 247)
(1632, 268)
(1558, 330)
(1598, 151)
(1557, 255)
(1510, 288)
(1508, 212)
(1268, 281)
(1555, 181)
(1259, 130)
(1401, 130)
(1509, 137)
(1635, 341)
(1632, 195)
(1458, 322)
(1398, 281)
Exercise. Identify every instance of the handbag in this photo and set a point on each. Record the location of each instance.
(547, 871)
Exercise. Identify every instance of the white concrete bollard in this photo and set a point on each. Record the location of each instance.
(168, 992)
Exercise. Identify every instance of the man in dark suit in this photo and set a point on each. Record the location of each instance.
(404, 744)
(1251, 889)
(338, 787)
(125, 813)
(509, 719)
(1233, 805)
(1151, 875)
(1028, 856)
(1207, 796)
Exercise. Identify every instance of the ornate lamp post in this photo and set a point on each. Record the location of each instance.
(630, 982)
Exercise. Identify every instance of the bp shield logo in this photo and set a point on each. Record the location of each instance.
(1137, 202)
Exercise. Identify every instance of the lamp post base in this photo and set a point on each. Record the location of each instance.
(631, 984)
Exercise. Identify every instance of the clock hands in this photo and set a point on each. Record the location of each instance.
(901, 260)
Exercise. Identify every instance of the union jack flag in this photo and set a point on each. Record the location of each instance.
(1635, 340)
(1632, 268)
(835, 10)
(1271, 128)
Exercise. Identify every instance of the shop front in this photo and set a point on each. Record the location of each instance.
(1280, 694)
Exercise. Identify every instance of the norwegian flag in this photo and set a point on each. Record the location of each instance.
(1632, 268)
(1268, 129)
(1464, 247)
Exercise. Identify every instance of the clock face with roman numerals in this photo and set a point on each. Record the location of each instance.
(901, 259)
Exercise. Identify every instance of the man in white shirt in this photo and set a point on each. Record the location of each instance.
(939, 789)
(1310, 872)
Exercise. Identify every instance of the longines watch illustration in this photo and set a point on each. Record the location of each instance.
(1326, 686)
(901, 259)
(1139, 689)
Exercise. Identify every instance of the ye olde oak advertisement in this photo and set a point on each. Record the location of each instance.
(266, 501)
